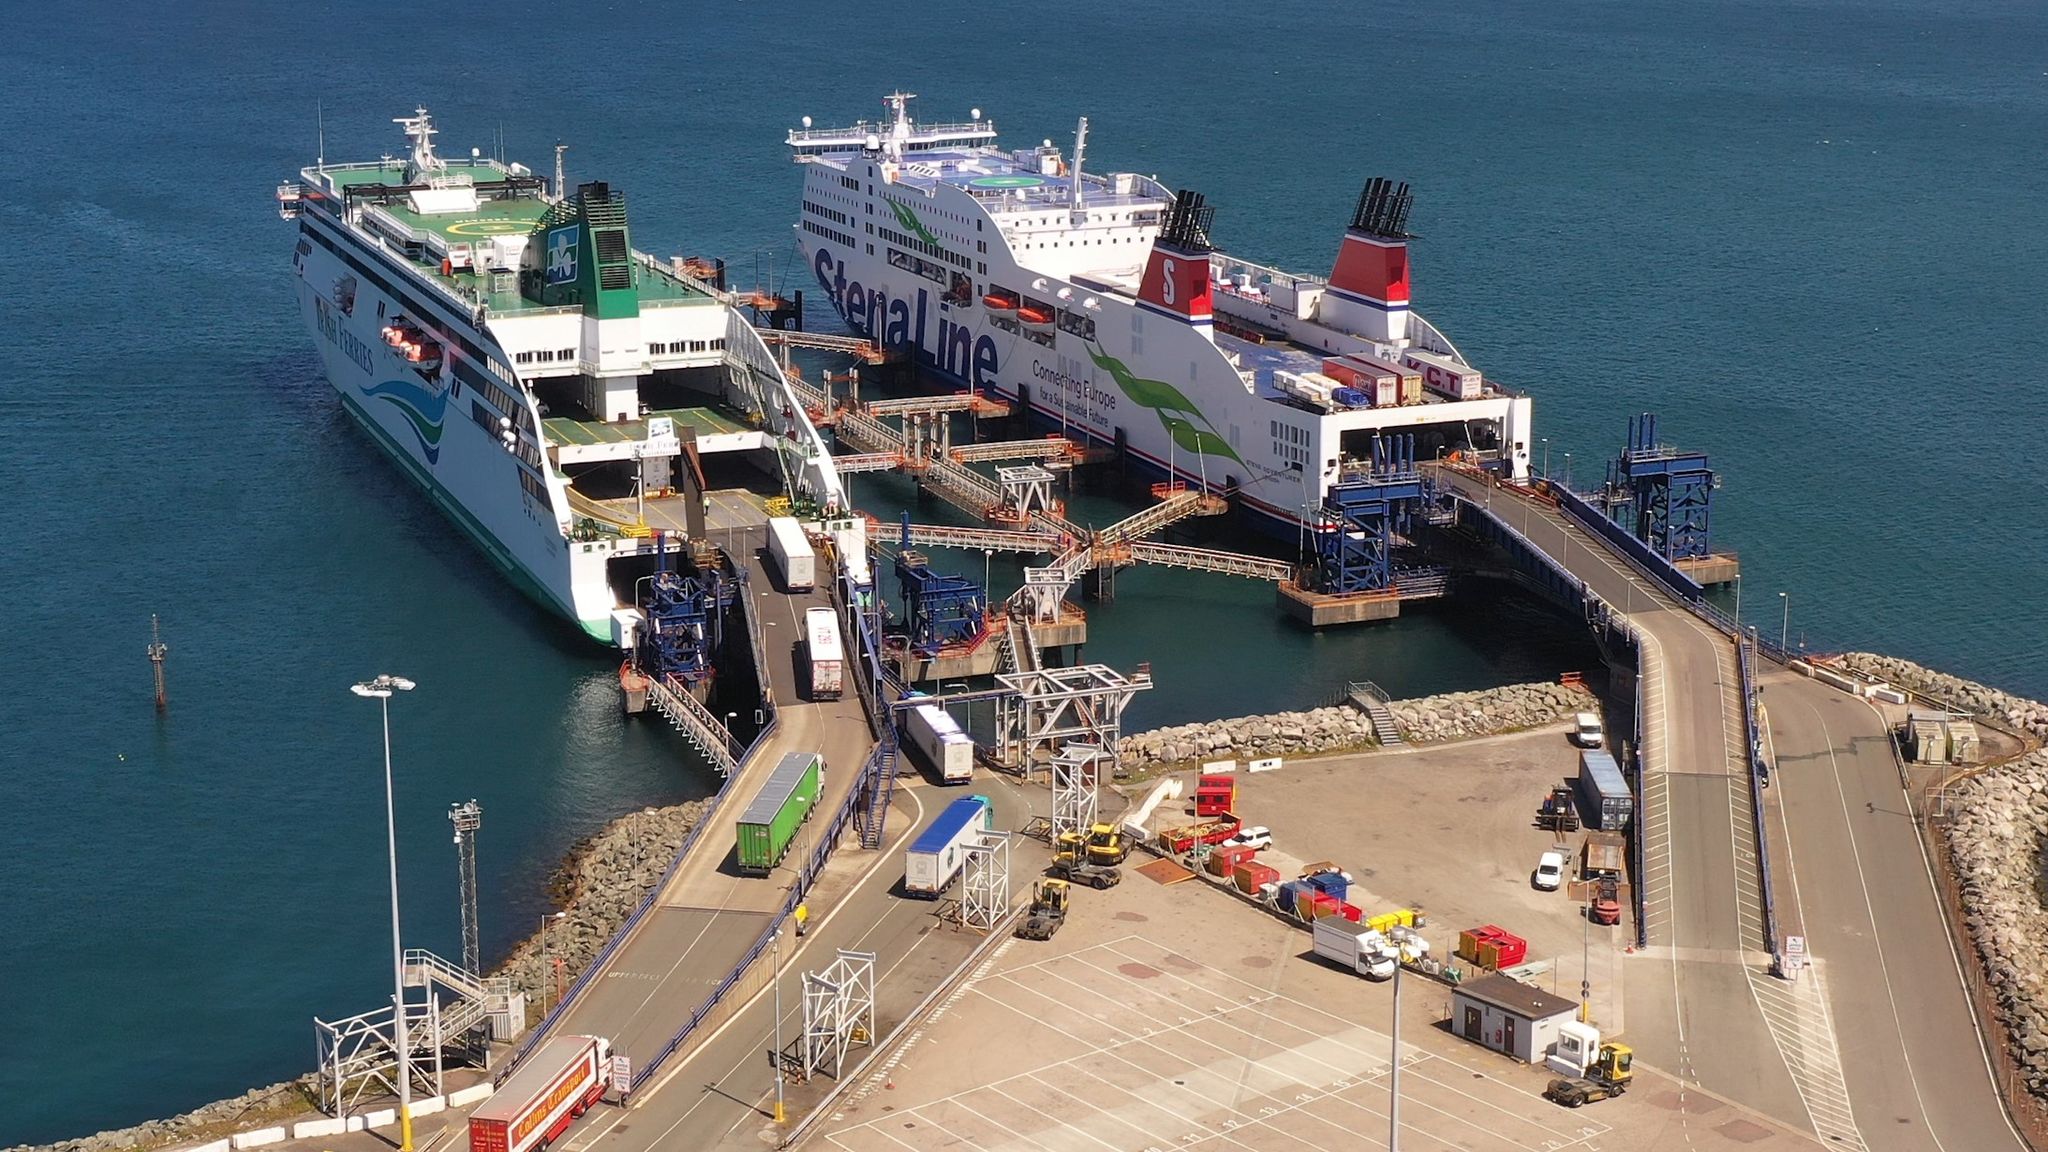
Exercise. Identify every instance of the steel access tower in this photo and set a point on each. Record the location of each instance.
(985, 882)
(1044, 709)
(1662, 495)
(839, 1012)
(1076, 783)
(1361, 516)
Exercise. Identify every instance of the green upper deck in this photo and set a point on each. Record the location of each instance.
(444, 216)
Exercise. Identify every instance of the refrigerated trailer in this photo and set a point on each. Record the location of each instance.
(946, 748)
(824, 653)
(935, 858)
(792, 551)
(558, 1083)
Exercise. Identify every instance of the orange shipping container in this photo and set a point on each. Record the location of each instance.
(1250, 877)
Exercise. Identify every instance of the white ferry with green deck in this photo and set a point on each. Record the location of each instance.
(546, 384)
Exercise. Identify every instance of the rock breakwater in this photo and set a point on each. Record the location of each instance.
(2029, 716)
(1344, 728)
(1994, 842)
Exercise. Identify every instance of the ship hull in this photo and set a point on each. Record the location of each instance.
(430, 430)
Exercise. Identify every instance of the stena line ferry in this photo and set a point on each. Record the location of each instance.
(549, 387)
(1100, 301)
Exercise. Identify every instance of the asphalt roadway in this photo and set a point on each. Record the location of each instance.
(1688, 998)
(1863, 888)
(709, 915)
(724, 1093)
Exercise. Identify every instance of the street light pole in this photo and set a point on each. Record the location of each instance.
(988, 559)
(777, 980)
(380, 689)
(545, 972)
(1546, 457)
(1785, 625)
(1738, 603)
(1394, 1079)
(1567, 470)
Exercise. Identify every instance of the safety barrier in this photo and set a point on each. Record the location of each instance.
(1639, 554)
(1759, 776)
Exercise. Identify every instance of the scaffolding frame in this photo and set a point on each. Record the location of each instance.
(1045, 709)
(1076, 784)
(1027, 488)
(358, 1057)
(985, 885)
(839, 1011)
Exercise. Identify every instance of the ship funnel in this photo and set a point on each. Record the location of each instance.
(1369, 285)
(1177, 280)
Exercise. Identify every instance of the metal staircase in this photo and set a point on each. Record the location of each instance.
(878, 785)
(1178, 505)
(1372, 700)
(695, 722)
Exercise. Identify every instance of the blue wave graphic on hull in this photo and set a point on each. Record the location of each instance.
(423, 411)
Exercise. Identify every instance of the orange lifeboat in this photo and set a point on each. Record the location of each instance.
(1000, 301)
(1035, 315)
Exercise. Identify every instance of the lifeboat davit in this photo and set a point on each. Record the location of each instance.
(1035, 316)
(1000, 301)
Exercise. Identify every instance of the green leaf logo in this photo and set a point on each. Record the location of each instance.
(1184, 422)
(909, 220)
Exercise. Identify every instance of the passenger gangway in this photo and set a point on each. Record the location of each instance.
(1050, 449)
(866, 351)
(973, 402)
(1209, 560)
(1178, 504)
(986, 539)
(869, 462)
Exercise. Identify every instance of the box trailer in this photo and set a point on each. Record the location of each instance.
(1445, 376)
(793, 556)
(558, 1083)
(935, 734)
(1604, 799)
(935, 858)
(764, 832)
(1354, 946)
(824, 654)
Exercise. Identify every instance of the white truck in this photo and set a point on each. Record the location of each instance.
(825, 654)
(792, 552)
(1362, 949)
(945, 747)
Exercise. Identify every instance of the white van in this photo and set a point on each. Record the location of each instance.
(1586, 731)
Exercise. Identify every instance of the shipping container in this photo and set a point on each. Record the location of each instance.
(1216, 795)
(561, 1080)
(1251, 876)
(1350, 398)
(1354, 946)
(794, 560)
(934, 732)
(1330, 884)
(769, 825)
(1381, 382)
(934, 860)
(824, 653)
(1445, 376)
(1604, 799)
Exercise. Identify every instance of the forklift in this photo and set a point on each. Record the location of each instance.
(1607, 1076)
(1048, 911)
(1558, 813)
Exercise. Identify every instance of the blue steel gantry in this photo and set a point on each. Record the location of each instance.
(685, 626)
(940, 609)
(1660, 494)
(1362, 515)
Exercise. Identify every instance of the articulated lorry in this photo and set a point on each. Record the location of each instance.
(558, 1083)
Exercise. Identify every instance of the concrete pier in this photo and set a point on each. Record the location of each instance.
(1320, 610)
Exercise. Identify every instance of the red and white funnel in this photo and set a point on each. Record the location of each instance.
(1177, 282)
(1368, 291)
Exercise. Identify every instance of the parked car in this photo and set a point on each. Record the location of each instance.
(1549, 871)
(1256, 836)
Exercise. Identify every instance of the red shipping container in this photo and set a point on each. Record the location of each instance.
(1352, 912)
(1216, 795)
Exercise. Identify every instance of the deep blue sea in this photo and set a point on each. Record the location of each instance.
(1808, 233)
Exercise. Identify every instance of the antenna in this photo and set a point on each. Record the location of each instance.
(320, 127)
(157, 651)
(467, 817)
(1080, 147)
(559, 149)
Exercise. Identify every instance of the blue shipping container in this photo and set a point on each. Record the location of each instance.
(1330, 884)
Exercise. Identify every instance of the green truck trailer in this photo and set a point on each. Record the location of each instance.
(769, 825)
